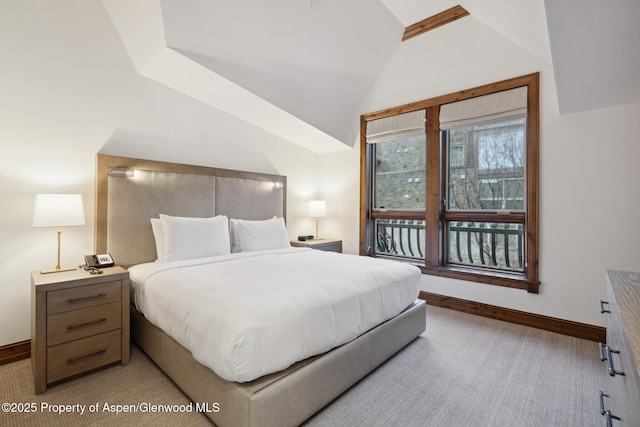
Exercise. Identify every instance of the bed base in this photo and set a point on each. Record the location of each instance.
(286, 398)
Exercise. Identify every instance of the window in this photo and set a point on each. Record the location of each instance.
(451, 184)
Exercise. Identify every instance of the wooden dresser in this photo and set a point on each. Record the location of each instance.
(79, 322)
(620, 395)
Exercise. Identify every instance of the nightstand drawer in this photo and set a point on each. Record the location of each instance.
(79, 356)
(76, 324)
(83, 296)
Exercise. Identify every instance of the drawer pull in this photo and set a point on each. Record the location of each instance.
(610, 367)
(95, 322)
(86, 356)
(601, 350)
(609, 416)
(602, 396)
(602, 310)
(100, 295)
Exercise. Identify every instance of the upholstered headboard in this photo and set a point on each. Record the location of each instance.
(132, 191)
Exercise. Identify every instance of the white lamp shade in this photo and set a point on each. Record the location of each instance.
(58, 210)
(317, 208)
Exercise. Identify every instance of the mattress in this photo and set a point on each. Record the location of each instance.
(248, 314)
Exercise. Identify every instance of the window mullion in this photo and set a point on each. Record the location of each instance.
(484, 216)
(397, 214)
(433, 197)
(532, 183)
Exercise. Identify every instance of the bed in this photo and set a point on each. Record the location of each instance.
(343, 329)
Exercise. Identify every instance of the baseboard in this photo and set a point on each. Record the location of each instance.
(561, 326)
(14, 352)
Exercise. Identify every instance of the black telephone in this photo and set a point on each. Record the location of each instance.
(99, 261)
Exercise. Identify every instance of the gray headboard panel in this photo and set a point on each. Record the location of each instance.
(125, 205)
(248, 198)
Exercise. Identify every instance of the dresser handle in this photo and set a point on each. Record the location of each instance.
(609, 416)
(95, 322)
(602, 396)
(86, 356)
(602, 310)
(100, 295)
(610, 367)
(601, 351)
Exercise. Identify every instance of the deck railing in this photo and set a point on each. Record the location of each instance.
(487, 244)
(401, 237)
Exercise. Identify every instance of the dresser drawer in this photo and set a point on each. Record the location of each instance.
(83, 296)
(83, 355)
(627, 383)
(76, 324)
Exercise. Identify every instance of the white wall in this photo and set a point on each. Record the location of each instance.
(589, 201)
(69, 91)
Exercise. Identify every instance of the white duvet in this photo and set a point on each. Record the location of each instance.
(245, 315)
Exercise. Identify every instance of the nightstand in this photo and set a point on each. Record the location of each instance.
(79, 322)
(320, 244)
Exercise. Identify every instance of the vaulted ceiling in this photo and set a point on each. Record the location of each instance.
(315, 59)
(302, 69)
(596, 58)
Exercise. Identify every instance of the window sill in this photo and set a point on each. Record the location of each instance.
(510, 280)
(496, 278)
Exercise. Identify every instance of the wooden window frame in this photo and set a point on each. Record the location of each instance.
(434, 215)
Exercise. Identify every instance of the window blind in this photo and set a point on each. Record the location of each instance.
(482, 109)
(393, 127)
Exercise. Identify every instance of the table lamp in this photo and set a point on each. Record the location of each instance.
(317, 209)
(58, 210)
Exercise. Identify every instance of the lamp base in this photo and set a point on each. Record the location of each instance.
(58, 270)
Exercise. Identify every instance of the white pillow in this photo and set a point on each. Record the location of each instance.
(259, 235)
(188, 238)
(233, 233)
(158, 234)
